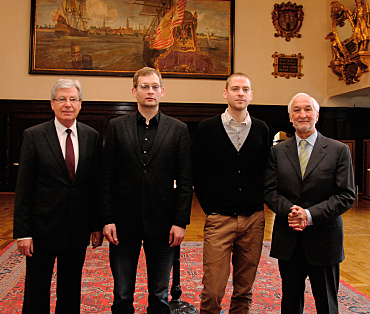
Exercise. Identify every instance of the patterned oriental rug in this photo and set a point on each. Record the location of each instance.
(97, 284)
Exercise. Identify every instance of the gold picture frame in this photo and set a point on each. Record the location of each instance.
(181, 38)
(287, 65)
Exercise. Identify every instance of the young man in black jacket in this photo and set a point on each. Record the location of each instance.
(230, 157)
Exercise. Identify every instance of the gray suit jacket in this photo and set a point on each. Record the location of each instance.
(49, 206)
(327, 190)
(140, 198)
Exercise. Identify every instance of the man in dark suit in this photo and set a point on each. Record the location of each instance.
(144, 154)
(309, 185)
(54, 208)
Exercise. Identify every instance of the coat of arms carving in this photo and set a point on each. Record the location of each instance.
(349, 39)
(287, 19)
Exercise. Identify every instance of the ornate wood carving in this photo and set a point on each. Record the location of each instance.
(287, 19)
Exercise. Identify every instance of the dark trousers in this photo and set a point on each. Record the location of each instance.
(39, 271)
(324, 282)
(124, 259)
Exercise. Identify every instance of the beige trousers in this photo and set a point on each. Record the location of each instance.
(239, 239)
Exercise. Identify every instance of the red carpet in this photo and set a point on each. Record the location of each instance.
(98, 284)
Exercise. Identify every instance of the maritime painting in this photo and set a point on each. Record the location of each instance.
(180, 38)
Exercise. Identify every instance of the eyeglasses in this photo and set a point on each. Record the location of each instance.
(63, 100)
(155, 87)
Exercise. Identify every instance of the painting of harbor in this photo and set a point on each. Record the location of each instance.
(183, 38)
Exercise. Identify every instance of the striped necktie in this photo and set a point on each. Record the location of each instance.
(303, 157)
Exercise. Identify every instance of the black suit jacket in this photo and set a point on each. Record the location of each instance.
(327, 190)
(49, 206)
(140, 198)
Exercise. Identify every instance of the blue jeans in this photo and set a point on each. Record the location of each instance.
(123, 262)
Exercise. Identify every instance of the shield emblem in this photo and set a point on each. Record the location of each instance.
(287, 19)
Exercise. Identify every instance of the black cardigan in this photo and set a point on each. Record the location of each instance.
(227, 181)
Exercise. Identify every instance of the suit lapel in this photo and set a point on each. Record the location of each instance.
(291, 153)
(318, 153)
(53, 141)
(131, 127)
(163, 126)
(82, 146)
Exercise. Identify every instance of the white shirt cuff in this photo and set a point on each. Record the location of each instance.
(28, 238)
(309, 218)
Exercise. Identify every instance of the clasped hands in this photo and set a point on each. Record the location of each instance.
(297, 218)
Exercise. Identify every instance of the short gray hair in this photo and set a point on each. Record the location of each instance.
(315, 104)
(66, 83)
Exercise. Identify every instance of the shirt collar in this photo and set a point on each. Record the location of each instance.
(139, 117)
(230, 120)
(61, 128)
(310, 140)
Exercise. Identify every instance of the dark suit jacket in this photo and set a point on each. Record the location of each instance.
(49, 206)
(140, 197)
(327, 191)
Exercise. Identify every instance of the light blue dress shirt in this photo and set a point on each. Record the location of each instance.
(309, 147)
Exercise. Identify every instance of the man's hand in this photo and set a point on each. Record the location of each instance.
(25, 247)
(297, 218)
(177, 234)
(96, 239)
(110, 233)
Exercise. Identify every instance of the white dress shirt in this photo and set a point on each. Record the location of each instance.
(62, 136)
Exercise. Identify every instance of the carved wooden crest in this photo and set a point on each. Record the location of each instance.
(287, 19)
(349, 39)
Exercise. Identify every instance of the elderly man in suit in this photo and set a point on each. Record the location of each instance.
(54, 208)
(144, 153)
(309, 185)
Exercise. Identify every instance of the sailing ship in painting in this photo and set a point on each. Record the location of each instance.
(71, 19)
(170, 42)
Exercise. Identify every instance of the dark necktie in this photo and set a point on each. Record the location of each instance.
(70, 155)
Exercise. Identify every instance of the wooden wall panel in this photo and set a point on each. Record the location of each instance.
(17, 115)
(352, 147)
(366, 172)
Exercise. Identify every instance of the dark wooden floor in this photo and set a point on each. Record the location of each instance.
(355, 269)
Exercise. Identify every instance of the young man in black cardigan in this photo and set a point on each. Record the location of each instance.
(230, 157)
